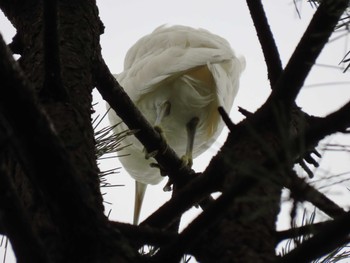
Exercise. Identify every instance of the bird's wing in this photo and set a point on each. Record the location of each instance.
(226, 75)
(168, 53)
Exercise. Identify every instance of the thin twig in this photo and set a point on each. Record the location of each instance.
(334, 234)
(226, 118)
(294, 232)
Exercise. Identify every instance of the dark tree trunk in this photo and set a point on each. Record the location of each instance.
(69, 115)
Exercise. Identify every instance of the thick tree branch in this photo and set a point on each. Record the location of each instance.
(310, 46)
(35, 142)
(174, 207)
(337, 121)
(53, 81)
(297, 185)
(336, 233)
(46, 161)
(216, 210)
(16, 224)
(143, 235)
(267, 42)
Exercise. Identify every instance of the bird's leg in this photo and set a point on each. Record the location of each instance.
(149, 154)
(163, 110)
(187, 159)
(191, 127)
(140, 190)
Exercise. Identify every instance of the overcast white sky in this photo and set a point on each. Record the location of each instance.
(126, 21)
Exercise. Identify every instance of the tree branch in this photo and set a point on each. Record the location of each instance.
(267, 42)
(45, 160)
(53, 81)
(310, 46)
(34, 132)
(174, 207)
(182, 201)
(301, 231)
(175, 249)
(226, 119)
(143, 235)
(16, 224)
(337, 121)
(297, 186)
(334, 235)
(301, 190)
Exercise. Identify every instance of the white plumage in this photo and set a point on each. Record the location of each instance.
(174, 75)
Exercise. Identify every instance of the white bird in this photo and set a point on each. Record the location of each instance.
(177, 76)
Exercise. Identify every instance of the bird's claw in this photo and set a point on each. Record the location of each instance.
(160, 131)
(164, 145)
(186, 161)
(161, 169)
(167, 187)
(150, 154)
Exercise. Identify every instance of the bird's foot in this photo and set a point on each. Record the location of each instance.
(164, 146)
(191, 128)
(186, 161)
(152, 154)
(163, 173)
(159, 129)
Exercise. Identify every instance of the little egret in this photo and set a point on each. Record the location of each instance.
(177, 76)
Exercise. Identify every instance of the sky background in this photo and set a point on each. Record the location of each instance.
(326, 89)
